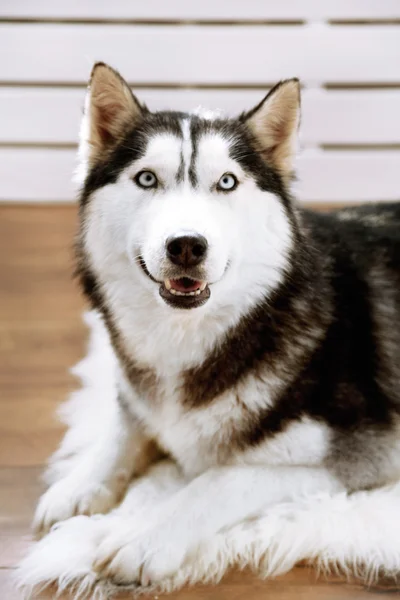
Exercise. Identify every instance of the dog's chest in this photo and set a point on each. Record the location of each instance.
(197, 438)
(200, 438)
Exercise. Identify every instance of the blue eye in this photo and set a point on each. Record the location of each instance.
(227, 183)
(146, 179)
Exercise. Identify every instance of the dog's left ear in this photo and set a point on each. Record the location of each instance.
(112, 107)
(274, 124)
(110, 110)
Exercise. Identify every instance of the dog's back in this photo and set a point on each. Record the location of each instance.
(356, 369)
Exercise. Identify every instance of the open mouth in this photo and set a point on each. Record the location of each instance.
(184, 292)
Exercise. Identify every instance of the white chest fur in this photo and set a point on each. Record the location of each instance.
(200, 438)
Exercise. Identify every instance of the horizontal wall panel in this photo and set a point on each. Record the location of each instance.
(179, 54)
(213, 55)
(204, 10)
(328, 117)
(45, 175)
(349, 176)
(36, 174)
(351, 117)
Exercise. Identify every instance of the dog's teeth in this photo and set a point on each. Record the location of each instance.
(203, 286)
(175, 292)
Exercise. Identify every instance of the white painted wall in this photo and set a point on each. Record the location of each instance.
(218, 53)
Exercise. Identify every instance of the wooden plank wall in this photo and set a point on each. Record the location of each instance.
(180, 54)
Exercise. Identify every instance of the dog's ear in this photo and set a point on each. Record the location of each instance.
(274, 124)
(110, 109)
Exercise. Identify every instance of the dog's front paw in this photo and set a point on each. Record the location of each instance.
(146, 558)
(70, 497)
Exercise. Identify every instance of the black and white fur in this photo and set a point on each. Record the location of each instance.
(279, 380)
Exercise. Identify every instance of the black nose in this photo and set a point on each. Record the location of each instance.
(187, 250)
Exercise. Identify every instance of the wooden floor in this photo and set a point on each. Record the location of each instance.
(41, 335)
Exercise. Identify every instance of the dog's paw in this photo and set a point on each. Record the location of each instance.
(69, 497)
(144, 558)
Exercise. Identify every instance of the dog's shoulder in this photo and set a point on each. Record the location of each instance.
(360, 229)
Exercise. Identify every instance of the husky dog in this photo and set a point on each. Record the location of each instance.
(256, 343)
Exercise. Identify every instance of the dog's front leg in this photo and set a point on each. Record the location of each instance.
(99, 475)
(219, 498)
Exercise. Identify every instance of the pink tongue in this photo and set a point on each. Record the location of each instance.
(183, 285)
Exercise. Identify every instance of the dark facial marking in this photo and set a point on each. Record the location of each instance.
(130, 148)
(181, 171)
(242, 149)
(196, 127)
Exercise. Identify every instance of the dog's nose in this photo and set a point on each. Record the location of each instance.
(186, 250)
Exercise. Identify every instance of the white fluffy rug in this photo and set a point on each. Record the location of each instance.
(358, 535)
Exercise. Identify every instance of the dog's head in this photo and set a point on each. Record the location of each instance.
(193, 209)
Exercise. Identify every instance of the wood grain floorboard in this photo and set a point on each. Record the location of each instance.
(41, 336)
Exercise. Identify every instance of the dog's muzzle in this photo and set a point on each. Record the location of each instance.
(187, 252)
(184, 286)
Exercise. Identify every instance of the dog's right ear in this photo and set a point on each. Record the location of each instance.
(274, 124)
(110, 109)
